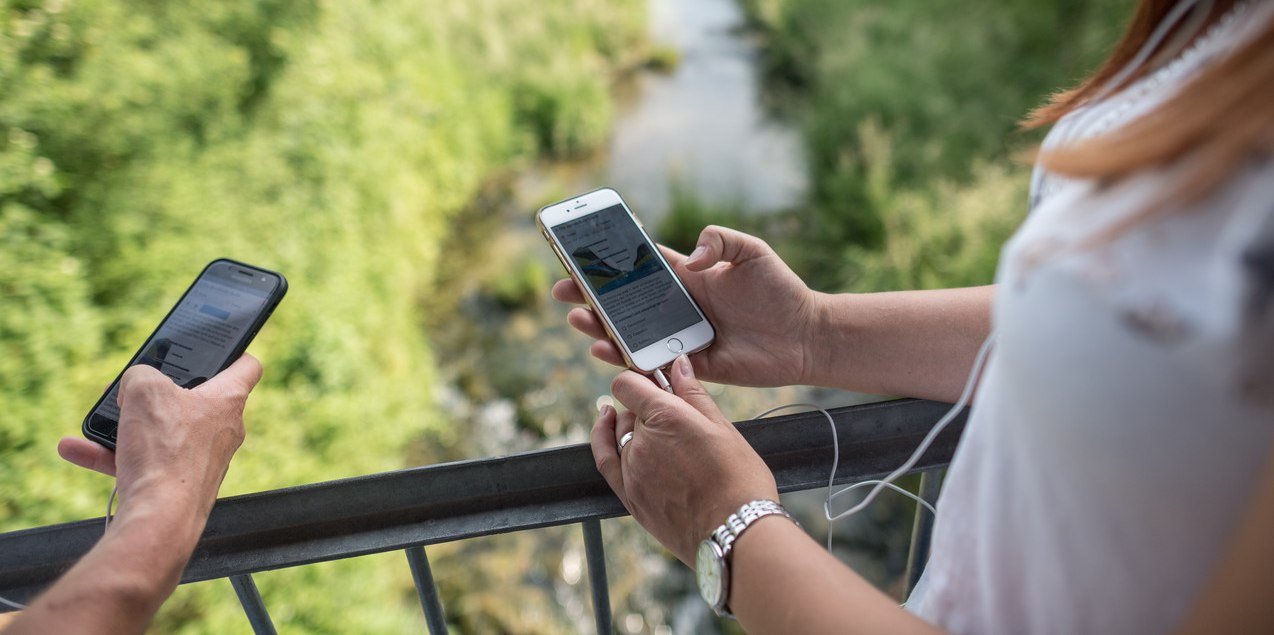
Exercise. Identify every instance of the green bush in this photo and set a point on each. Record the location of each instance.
(688, 215)
(334, 142)
(945, 82)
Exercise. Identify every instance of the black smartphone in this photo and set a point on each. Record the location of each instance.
(206, 331)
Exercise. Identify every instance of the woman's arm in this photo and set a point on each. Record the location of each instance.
(772, 330)
(1237, 598)
(905, 343)
(686, 469)
(785, 582)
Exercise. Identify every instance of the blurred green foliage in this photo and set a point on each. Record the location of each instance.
(332, 141)
(688, 214)
(909, 101)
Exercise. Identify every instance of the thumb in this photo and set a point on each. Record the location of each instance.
(722, 244)
(687, 386)
(241, 376)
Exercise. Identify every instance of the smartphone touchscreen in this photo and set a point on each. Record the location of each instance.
(644, 304)
(206, 331)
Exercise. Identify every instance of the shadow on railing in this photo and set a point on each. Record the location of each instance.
(411, 508)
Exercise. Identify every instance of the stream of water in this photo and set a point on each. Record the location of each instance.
(516, 370)
(701, 126)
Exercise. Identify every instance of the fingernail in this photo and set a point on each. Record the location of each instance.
(699, 251)
(604, 411)
(684, 366)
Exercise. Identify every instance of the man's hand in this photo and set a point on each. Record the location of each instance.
(172, 441)
(764, 314)
(173, 449)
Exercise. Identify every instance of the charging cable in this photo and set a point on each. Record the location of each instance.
(106, 525)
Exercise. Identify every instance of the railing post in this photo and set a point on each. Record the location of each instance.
(595, 553)
(922, 529)
(428, 591)
(253, 605)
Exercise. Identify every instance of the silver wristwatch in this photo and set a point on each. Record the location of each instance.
(712, 569)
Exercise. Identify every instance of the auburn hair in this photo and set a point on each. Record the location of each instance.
(1220, 120)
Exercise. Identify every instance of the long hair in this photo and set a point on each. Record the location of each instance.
(1220, 120)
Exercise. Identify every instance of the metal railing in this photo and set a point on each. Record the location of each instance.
(409, 509)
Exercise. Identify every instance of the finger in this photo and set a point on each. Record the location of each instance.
(585, 321)
(136, 378)
(240, 377)
(606, 351)
(565, 290)
(651, 404)
(605, 453)
(687, 386)
(626, 422)
(722, 244)
(674, 257)
(87, 454)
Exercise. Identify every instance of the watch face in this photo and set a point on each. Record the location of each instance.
(710, 573)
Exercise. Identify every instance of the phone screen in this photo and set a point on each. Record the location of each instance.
(636, 290)
(201, 332)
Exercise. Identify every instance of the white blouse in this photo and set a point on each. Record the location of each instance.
(1128, 405)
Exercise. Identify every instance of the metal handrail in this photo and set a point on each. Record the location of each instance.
(414, 507)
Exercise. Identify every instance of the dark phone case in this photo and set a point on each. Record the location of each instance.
(235, 353)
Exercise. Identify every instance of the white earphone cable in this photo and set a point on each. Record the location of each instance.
(110, 504)
(888, 481)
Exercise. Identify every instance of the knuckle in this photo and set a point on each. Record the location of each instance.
(713, 234)
(695, 391)
(660, 415)
(238, 392)
(604, 462)
(619, 383)
(758, 244)
(138, 374)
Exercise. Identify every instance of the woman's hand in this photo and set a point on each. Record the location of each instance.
(686, 468)
(763, 313)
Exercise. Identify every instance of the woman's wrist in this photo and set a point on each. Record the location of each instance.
(824, 341)
(716, 511)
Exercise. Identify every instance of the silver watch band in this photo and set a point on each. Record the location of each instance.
(736, 523)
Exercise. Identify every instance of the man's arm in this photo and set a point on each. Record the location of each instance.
(173, 451)
(119, 585)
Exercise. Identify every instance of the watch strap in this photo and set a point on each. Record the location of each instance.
(735, 524)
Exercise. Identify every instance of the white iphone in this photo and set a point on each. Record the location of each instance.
(646, 310)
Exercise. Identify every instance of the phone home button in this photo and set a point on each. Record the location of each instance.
(675, 346)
